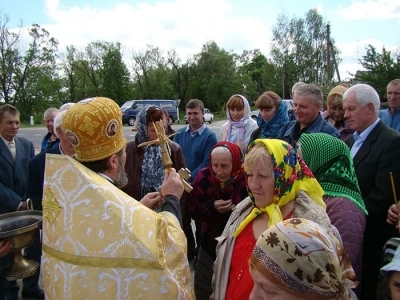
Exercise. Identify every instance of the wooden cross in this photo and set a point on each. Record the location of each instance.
(185, 174)
(163, 141)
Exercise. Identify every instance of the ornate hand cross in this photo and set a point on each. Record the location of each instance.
(162, 140)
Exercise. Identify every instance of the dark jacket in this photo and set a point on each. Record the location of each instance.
(36, 177)
(13, 179)
(47, 144)
(200, 204)
(287, 133)
(373, 162)
(14, 174)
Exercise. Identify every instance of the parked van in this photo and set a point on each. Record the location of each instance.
(132, 107)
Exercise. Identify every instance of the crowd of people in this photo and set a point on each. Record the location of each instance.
(282, 208)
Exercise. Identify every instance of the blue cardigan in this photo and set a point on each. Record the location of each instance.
(196, 149)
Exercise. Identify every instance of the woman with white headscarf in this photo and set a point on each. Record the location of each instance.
(240, 125)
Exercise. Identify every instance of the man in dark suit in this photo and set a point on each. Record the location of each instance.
(374, 148)
(37, 164)
(15, 153)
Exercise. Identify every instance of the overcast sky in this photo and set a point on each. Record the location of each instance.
(185, 25)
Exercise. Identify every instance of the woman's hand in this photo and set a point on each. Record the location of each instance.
(224, 206)
(152, 200)
(5, 248)
(393, 215)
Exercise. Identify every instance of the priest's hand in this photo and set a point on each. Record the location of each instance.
(393, 215)
(152, 200)
(172, 184)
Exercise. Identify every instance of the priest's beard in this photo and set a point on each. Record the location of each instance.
(121, 180)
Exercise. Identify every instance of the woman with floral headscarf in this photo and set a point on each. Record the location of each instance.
(299, 259)
(240, 125)
(217, 189)
(280, 187)
(330, 161)
(144, 164)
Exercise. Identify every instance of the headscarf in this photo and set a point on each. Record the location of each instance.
(152, 167)
(338, 90)
(271, 128)
(304, 257)
(237, 166)
(291, 175)
(238, 136)
(329, 160)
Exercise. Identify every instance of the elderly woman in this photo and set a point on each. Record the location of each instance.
(144, 164)
(334, 113)
(217, 189)
(299, 259)
(240, 125)
(273, 115)
(330, 161)
(280, 187)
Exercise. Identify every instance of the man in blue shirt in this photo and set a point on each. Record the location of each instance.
(196, 141)
(391, 115)
(307, 101)
(50, 140)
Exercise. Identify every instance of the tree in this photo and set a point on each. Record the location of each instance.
(299, 49)
(217, 77)
(182, 75)
(115, 76)
(380, 69)
(29, 79)
(150, 74)
(70, 79)
(263, 73)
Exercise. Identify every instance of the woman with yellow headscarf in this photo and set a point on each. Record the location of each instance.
(280, 187)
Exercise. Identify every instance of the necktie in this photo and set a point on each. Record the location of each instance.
(11, 146)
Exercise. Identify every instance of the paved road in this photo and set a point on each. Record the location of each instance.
(36, 134)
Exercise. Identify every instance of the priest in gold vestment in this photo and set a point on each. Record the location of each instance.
(99, 243)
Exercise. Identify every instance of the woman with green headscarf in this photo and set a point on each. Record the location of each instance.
(330, 161)
(280, 187)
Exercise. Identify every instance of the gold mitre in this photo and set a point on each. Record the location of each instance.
(94, 126)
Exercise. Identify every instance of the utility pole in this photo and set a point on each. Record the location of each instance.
(328, 52)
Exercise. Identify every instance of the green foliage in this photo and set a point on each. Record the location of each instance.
(380, 68)
(41, 77)
(217, 76)
(263, 74)
(114, 76)
(299, 50)
(29, 79)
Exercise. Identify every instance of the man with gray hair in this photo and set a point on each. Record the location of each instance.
(36, 164)
(50, 140)
(374, 148)
(307, 101)
(391, 115)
